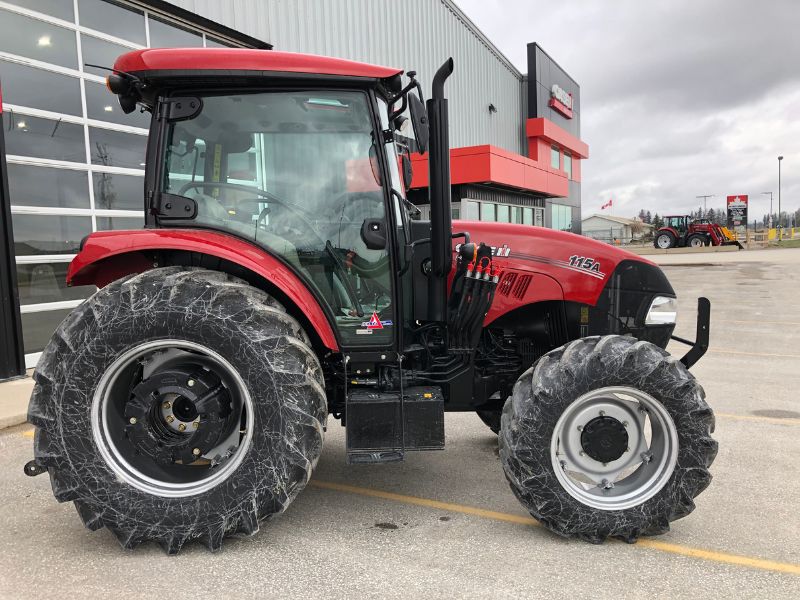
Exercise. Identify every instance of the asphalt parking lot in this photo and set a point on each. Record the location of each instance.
(443, 525)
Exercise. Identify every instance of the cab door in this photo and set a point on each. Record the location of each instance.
(298, 173)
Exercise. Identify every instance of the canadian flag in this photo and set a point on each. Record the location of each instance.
(608, 204)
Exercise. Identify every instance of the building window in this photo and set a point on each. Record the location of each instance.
(38, 40)
(527, 216)
(488, 211)
(561, 217)
(32, 87)
(471, 211)
(554, 157)
(75, 161)
(455, 213)
(503, 213)
(568, 165)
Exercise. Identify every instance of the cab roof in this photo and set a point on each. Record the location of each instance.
(227, 60)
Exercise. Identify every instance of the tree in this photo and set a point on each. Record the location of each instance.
(658, 222)
(711, 215)
(648, 218)
(642, 216)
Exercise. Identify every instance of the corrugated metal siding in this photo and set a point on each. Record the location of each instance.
(412, 34)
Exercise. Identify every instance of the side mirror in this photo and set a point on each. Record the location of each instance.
(419, 121)
(373, 233)
(408, 171)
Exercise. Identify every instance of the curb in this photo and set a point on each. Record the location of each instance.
(14, 397)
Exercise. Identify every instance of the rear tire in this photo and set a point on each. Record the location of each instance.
(664, 240)
(197, 320)
(534, 439)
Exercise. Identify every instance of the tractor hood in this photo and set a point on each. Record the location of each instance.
(580, 265)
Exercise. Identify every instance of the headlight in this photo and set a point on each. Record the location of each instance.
(663, 311)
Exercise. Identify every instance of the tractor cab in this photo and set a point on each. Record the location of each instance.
(303, 165)
(677, 222)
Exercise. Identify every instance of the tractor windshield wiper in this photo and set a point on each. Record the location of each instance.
(351, 293)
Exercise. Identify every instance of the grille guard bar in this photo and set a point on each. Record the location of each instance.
(700, 345)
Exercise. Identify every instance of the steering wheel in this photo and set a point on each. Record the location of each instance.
(253, 190)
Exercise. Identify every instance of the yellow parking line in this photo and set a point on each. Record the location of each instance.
(426, 502)
(711, 555)
(775, 420)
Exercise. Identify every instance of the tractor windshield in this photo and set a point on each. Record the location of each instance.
(297, 173)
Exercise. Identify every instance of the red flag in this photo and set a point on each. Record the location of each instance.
(607, 204)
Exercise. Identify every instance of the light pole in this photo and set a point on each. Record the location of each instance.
(780, 221)
(770, 208)
(707, 196)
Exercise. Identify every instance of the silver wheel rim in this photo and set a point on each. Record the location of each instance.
(233, 449)
(642, 470)
(696, 243)
(663, 241)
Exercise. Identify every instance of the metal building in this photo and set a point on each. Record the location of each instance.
(73, 162)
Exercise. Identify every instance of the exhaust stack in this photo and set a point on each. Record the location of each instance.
(439, 194)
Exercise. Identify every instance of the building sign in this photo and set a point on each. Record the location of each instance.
(737, 212)
(561, 101)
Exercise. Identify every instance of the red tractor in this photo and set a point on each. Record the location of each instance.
(682, 231)
(283, 278)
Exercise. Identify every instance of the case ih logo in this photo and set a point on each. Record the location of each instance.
(561, 101)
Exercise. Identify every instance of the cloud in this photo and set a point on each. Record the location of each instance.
(678, 98)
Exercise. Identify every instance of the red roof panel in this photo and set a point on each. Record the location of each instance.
(245, 59)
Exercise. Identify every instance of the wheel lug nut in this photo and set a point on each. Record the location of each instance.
(580, 453)
(602, 413)
(166, 405)
(181, 427)
(580, 427)
(170, 418)
(190, 383)
(196, 451)
(132, 420)
(624, 423)
(196, 424)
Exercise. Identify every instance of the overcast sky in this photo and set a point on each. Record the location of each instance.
(678, 97)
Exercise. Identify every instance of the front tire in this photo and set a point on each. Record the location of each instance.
(178, 405)
(574, 439)
(696, 241)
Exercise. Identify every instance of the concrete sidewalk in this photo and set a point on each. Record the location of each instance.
(14, 396)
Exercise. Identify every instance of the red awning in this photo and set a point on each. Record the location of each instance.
(549, 131)
(492, 165)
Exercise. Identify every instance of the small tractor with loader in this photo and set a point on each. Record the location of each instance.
(283, 278)
(681, 231)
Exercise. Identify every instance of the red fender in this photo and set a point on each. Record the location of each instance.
(93, 267)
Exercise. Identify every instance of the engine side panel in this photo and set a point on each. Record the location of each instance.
(561, 265)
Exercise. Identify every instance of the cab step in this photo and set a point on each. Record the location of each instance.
(382, 426)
